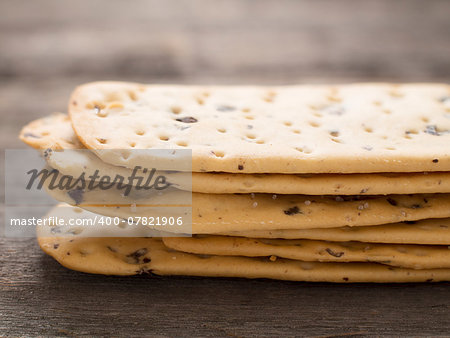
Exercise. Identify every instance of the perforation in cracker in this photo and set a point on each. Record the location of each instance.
(295, 129)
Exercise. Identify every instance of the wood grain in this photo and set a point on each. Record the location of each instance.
(48, 47)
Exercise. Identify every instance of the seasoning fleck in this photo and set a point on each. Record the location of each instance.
(76, 195)
(391, 201)
(225, 108)
(30, 135)
(333, 253)
(292, 211)
(187, 119)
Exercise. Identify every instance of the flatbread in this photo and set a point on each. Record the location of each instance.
(214, 213)
(359, 128)
(55, 132)
(429, 231)
(130, 256)
(405, 256)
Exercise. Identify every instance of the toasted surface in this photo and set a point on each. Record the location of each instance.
(218, 213)
(129, 256)
(58, 131)
(406, 256)
(427, 231)
(358, 128)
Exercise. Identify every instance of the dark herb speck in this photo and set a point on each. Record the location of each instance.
(137, 254)
(335, 254)
(31, 135)
(391, 201)
(292, 211)
(76, 195)
(187, 119)
(225, 108)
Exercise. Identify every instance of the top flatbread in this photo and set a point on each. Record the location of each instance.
(55, 132)
(358, 128)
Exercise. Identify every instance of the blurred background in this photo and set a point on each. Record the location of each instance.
(47, 47)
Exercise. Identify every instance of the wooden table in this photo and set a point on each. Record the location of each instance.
(48, 47)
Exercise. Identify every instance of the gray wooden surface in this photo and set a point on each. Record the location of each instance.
(48, 47)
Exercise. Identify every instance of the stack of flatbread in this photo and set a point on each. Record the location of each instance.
(347, 183)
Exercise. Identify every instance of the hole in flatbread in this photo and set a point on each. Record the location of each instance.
(200, 101)
(296, 131)
(164, 138)
(269, 96)
(304, 150)
(246, 110)
(334, 98)
(251, 136)
(132, 95)
(45, 133)
(115, 105)
(390, 148)
(249, 117)
(132, 144)
(368, 130)
(317, 114)
(395, 92)
(425, 119)
(287, 123)
(314, 124)
(182, 144)
(336, 140)
(95, 105)
(260, 142)
(176, 110)
(334, 133)
(140, 132)
(102, 140)
(411, 131)
(222, 130)
(218, 153)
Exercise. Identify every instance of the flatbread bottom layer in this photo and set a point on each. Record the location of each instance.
(129, 256)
